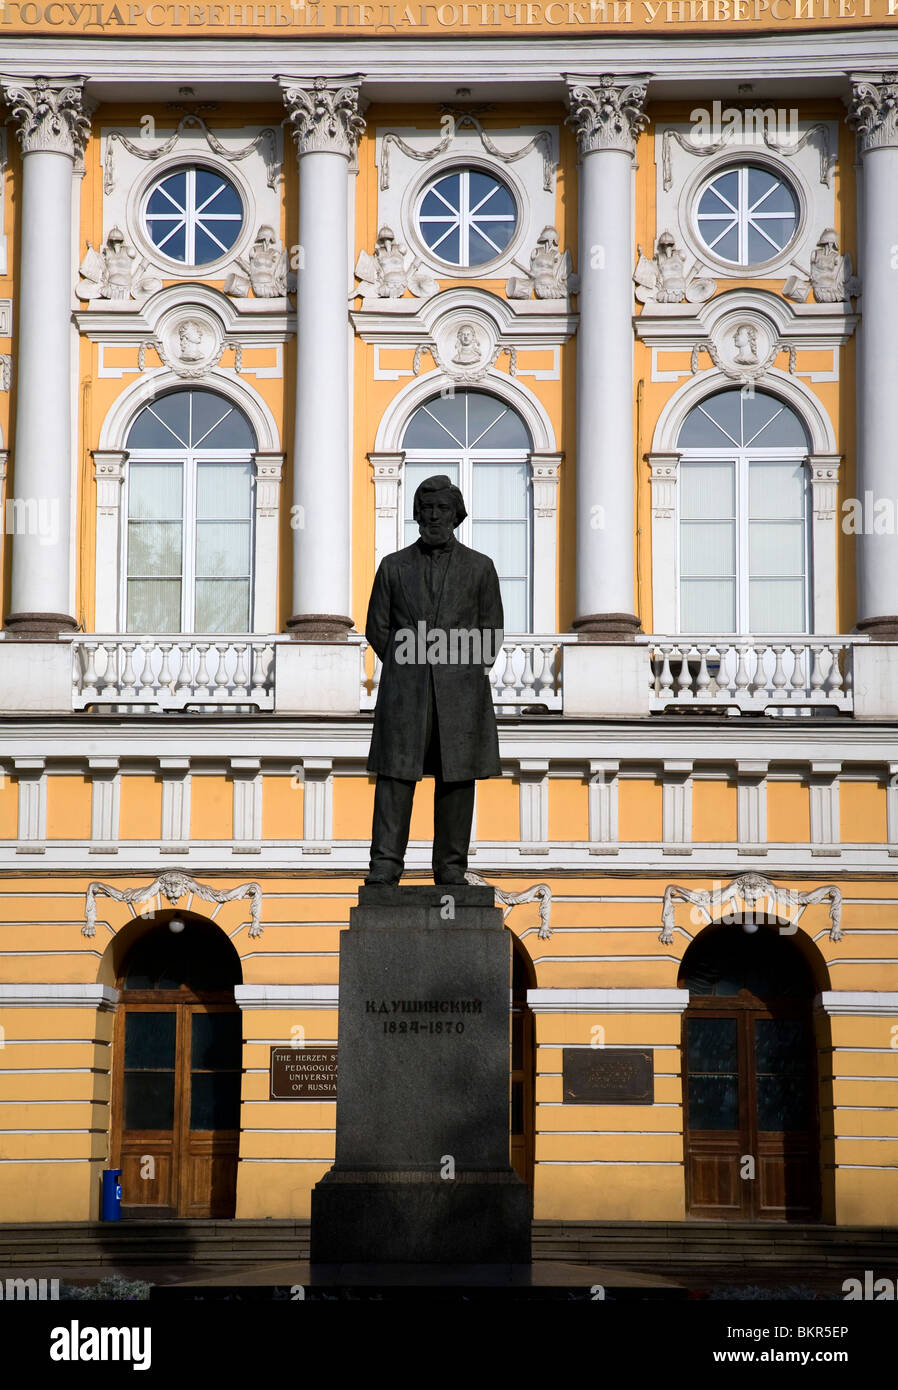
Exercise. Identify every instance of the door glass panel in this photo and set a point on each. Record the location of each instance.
(215, 1060)
(149, 1091)
(712, 1066)
(782, 1072)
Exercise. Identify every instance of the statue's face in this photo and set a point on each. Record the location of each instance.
(436, 518)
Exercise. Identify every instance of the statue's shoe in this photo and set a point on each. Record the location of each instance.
(383, 882)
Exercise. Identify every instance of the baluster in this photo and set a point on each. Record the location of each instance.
(220, 679)
(684, 679)
(128, 683)
(165, 676)
(184, 680)
(528, 683)
(202, 675)
(798, 679)
(241, 680)
(741, 679)
(818, 675)
(834, 683)
(507, 684)
(665, 680)
(779, 675)
(90, 665)
(547, 679)
(703, 679)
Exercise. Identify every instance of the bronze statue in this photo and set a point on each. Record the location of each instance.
(435, 619)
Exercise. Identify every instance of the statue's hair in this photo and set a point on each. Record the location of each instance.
(439, 482)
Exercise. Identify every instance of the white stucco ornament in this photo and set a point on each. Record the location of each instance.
(550, 274)
(115, 272)
(190, 342)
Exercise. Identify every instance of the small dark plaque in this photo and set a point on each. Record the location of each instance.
(303, 1073)
(608, 1076)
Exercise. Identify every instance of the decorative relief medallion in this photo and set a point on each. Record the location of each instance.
(743, 348)
(190, 344)
(465, 350)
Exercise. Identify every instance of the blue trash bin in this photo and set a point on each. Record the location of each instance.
(112, 1195)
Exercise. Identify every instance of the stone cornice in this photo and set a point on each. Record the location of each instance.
(52, 115)
(607, 114)
(323, 116)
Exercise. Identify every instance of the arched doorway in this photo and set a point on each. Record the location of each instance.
(522, 1120)
(750, 1077)
(176, 1072)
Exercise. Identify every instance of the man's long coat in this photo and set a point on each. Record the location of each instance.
(463, 703)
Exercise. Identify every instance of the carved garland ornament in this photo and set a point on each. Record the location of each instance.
(542, 141)
(173, 885)
(324, 118)
(750, 889)
(786, 148)
(50, 117)
(539, 891)
(607, 117)
(266, 141)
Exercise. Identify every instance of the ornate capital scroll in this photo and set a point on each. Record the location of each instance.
(539, 891)
(50, 115)
(609, 116)
(172, 885)
(873, 112)
(750, 889)
(324, 117)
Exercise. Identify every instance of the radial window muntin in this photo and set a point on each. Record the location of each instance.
(744, 214)
(476, 216)
(205, 222)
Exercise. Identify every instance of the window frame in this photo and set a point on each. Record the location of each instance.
(158, 255)
(723, 165)
(188, 458)
(467, 165)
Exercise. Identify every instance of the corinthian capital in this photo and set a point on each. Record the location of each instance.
(608, 116)
(51, 114)
(873, 111)
(324, 115)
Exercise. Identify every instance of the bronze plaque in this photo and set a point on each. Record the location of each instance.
(303, 1073)
(608, 1076)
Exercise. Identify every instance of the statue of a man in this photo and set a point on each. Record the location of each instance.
(435, 619)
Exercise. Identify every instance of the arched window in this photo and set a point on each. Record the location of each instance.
(743, 527)
(484, 447)
(188, 565)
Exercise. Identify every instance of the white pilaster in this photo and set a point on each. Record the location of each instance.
(105, 798)
(603, 801)
(109, 475)
(873, 113)
(247, 821)
(664, 471)
(544, 474)
(607, 117)
(824, 498)
(387, 470)
(676, 808)
(824, 798)
(268, 467)
(751, 807)
(175, 804)
(52, 129)
(317, 805)
(31, 775)
(534, 782)
(326, 125)
(892, 810)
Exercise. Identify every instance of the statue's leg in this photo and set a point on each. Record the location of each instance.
(389, 834)
(453, 812)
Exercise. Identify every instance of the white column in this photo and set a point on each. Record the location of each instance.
(603, 797)
(824, 798)
(676, 807)
(52, 128)
(607, 119)
(105, 802)
(873, 113)
(317, 805)
(109, 474)
(751, 806)
(533, 774)
(326, 125)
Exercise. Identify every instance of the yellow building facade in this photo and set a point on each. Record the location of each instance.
(623, 272)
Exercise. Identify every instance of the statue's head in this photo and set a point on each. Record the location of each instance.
(829, 239)
(438, 507)
(265, 236)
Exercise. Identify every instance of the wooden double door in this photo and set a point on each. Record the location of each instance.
(177, 1076)
(750, 1083)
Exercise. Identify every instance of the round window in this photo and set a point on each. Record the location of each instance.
(467, 217)
(747, 214)
(193, 215)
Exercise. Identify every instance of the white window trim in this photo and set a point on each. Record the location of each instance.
(742, 458)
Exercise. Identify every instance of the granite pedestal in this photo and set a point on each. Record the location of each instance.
(421, 1171)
